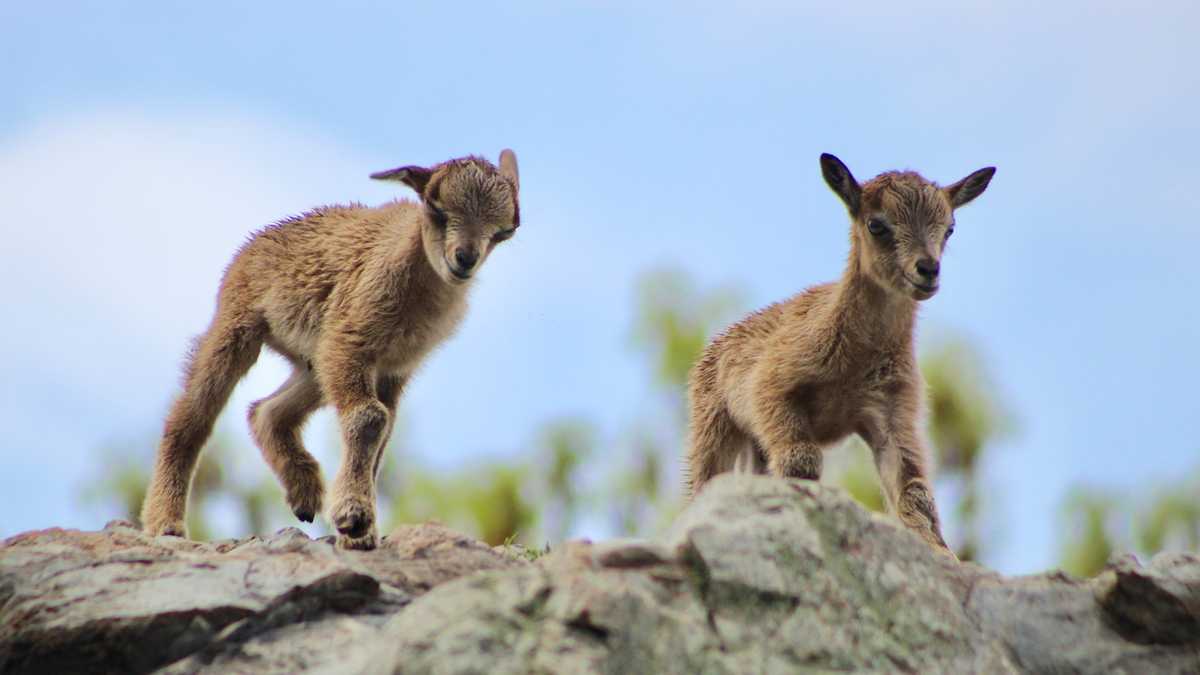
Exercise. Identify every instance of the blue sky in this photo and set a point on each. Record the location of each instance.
(141, 142)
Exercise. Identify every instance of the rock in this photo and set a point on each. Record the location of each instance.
(1158, 605)
(757, 575)
(119, 601)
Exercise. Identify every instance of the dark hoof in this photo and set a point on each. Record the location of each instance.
(176, 529)
(354, 524)
(355, 529)
(304, 514)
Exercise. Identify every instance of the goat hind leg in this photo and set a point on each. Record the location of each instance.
(713, 446)
(389, 388)
(275, 423)
(221, 357)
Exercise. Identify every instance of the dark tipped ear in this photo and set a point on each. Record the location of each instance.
(842, 181)
(970, 187)
(415, 177)
(508, 167)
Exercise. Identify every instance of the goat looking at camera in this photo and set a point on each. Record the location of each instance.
(777, 388)
(355, 298)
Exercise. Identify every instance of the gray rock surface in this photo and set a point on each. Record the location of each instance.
(118, 601)
(758, 575)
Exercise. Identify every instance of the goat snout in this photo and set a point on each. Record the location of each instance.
(928, 269)
(465, 258)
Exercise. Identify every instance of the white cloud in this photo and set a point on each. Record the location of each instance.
(117, 228)
(119, 225)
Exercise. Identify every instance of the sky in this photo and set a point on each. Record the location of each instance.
(141, 143)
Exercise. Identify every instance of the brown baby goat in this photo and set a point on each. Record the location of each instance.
(777, 388)
(354, 298)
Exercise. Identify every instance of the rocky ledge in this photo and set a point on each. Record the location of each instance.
(758, 575)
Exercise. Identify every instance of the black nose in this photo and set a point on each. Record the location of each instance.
(928, 268)
(465, 258)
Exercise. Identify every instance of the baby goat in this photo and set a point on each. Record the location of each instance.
(354, 298)
(789, 380)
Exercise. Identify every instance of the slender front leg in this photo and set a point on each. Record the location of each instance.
(782, 433)
(348, 377)
(900, 459)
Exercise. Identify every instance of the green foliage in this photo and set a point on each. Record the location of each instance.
(522, 552)
(636, 491)
(963, 410)
(497, 507)
(1166, 518)
(564, 479)
(259, 505)
(124, 484)
(964, 416)
(854, 470)
(1089, 545)
(674, 323)
(485, 501)
(566, 446)
(1174, 514)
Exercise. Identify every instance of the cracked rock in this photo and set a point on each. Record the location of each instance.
(758, 575)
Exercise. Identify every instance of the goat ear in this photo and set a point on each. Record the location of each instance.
(415, 177)
(508, 167)
(970, 187)
(841, 181)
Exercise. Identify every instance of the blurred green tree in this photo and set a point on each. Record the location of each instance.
(485, 501)
(1172, 519)
(566, 446)
(637, 501)
(1163, 518)
(673, 323)
(964, 417)
(1088, 544)
(852, 467)
(257, 505)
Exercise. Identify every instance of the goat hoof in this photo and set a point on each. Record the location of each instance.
(353, 519)
(170, 528)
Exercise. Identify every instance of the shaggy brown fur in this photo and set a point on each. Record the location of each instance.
(354, 298)
(796, 377)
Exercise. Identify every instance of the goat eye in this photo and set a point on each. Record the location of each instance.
(503, 234)
(949, 231)
(876, 227)
(437, 215)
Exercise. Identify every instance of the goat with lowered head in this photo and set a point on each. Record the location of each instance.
(355, 298)
(774, 390)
